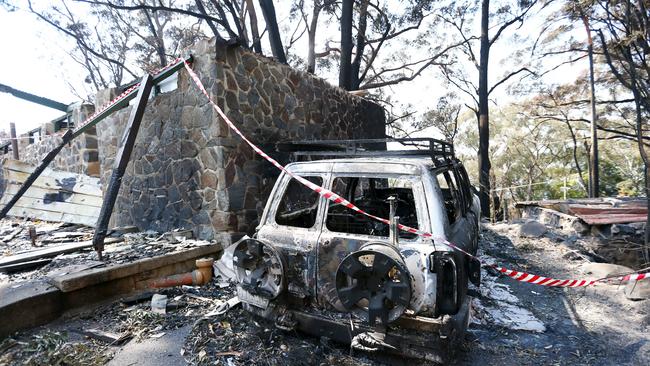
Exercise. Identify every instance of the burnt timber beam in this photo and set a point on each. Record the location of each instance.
(67, 137)
(157, 78)
(121, 161)
(34, 98)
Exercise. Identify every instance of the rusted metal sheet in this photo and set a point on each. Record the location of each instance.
(610, 218)
(603, 211)
(590, 210)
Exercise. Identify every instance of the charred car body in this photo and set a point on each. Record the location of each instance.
(317, 266)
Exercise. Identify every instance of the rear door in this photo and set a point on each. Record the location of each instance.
(345, 231)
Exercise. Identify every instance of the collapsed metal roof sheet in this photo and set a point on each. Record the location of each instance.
(598, 211)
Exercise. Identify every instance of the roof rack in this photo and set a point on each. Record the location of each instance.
(440, 152)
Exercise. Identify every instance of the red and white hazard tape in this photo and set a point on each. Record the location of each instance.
(519, 276)
(122, 96)
(106, 106)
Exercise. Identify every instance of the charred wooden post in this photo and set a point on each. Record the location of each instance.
(122, 160)
(67, 137)
(32, 234)
(14, 140)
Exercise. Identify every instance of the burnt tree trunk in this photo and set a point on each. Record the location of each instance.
(252, 16)
(594, 186)
(361, 42)
(646, 163)
(345, 69)
(483, 113)
(311, 38)
(268, 10)
(639, 131)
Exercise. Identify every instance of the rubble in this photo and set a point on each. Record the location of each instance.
(532, 229)
(637, 290)
(77, 249)
(497, 305)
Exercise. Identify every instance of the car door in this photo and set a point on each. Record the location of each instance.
(345, 231)
(460, 227)
(292, 224)
(468, 200)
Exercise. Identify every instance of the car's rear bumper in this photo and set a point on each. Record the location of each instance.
(416, 337)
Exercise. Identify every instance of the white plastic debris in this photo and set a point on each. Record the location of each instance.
(159, 304)
(224, 306)
(223, 268)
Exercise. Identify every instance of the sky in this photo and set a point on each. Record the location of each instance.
(36, 62)
(33, 62)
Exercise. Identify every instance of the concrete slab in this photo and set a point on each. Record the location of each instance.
(28, 304)
(165, 350)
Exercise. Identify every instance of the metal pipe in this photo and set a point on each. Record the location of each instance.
(199, 277)
(393, 227)
(34, 98)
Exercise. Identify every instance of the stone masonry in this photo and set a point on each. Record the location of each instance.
(188, 170)
(80, 156)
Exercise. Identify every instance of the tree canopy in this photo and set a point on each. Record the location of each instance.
(517, 69)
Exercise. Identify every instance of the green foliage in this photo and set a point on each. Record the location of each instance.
(531, 157)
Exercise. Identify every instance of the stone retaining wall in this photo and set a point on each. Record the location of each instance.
(188, 170)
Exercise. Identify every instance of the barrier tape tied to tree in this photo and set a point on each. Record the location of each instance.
(519, 276)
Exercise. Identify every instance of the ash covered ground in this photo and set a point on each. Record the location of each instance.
(513, 323)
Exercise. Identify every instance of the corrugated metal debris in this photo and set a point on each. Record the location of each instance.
(597, 211)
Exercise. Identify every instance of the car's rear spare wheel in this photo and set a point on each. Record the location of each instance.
(374, 283)
(260, 268)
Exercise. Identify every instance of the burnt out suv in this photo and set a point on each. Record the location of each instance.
(320, 267)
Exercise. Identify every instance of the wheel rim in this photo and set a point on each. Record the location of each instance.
(259, 268)
(374, 285)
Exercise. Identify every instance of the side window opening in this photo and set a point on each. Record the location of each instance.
(450, 195)
(370, 195)
(299, 204)
(461, 174)
(457, 188)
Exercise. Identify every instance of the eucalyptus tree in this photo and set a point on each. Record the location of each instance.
(494, 26)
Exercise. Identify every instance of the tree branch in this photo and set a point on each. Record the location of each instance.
(509, 76)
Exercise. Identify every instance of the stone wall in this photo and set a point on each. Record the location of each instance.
(80, 156)
(188, 170)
